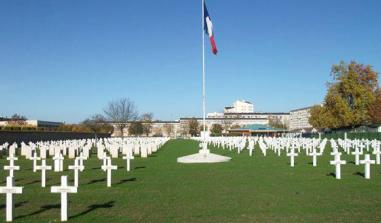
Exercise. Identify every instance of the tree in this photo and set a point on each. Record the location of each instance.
(193, 127)
(135, 129)
(168, 129)
(120, 112)
(157, 132)
(226, 124)
(276, 122)
(216, 129)
(375, 109)
(184, 128)
(73, 128)
(17, 117)
(97, 124)
(315, 119)
(147, 123)
(349, 98)
(235, 126)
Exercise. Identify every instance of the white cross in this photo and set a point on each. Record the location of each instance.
(314, 155)
(334, 148)
(367, 162)
(64, 189)
(335, 151)
(58, 162)
(104, 159)
(357, 154)
(292, 154)
(43, 167)
(12, 160)
(76, 167)
(251, 147)
(279, 149)
(128, 157)
(377, 152)
(9, 190)
(35, 158)
(81, 158)
(338, 162)
(362, 146)
(12, 150)
(11, 168)
(367, 145)
(108, 167)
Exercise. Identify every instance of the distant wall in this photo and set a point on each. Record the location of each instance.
(34, 136)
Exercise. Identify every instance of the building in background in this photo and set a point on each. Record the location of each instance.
(240, 106)
(299, 120)
(239, 115)
(31, 123)
(215, 115)
(229, 120)
(43, 124)
(258, 129)
(158, 128)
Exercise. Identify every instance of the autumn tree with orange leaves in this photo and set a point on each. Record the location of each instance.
(353, 98)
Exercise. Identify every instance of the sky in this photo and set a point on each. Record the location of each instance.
(65, 60)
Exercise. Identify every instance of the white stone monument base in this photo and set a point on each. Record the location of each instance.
(203, 156)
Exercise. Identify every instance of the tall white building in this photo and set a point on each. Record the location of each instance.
(240, 106)
(299, 119)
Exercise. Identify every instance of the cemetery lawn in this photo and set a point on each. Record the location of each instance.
(246, 189)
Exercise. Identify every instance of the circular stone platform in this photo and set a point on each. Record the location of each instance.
(202, 157)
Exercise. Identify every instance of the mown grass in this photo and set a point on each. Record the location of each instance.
(246, 189)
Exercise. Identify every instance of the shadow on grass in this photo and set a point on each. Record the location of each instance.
(32, 182)
(94, 207)
(126, 180)
(97, 181)
(223, 153)
(19, 204)
(359, 174)
(331, 174)
(139, 167)
(96, 168)
(42, 209)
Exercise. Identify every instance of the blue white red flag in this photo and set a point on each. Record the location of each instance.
(208, 27)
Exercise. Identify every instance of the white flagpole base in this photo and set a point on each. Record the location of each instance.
(203, 156)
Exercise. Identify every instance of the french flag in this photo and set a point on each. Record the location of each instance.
(208, 26)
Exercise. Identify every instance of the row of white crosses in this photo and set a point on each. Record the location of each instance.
(358, 146)
(338, 162)
(9, 188)
(312, 147)
(70, 148)
(269, 143)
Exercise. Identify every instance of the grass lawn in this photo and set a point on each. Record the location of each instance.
(246, 189)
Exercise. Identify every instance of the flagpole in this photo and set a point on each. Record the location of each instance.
(203, 72)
